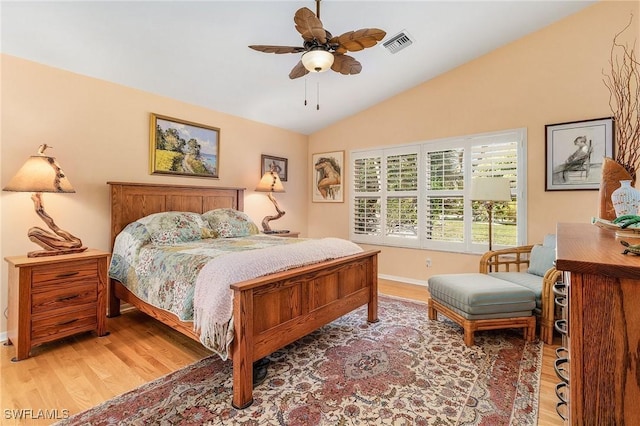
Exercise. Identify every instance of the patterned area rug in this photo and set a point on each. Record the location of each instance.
(403, 370)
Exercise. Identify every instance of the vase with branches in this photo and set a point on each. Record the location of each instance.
(623, 82)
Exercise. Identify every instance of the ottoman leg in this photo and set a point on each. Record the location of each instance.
(432, 313)
(530, 331)
(469, 339)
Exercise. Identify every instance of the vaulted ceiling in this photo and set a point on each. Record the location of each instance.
(196, 51)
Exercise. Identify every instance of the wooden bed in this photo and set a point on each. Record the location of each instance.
(268, 312)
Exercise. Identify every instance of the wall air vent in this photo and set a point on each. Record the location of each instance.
(398, 42)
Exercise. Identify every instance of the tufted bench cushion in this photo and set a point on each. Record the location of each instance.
(481, 296)
(482, 302)
(530, 281)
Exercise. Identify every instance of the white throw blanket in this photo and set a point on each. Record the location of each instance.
(213, 300)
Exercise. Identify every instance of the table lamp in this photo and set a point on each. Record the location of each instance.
(39, 174)
(271, 183)
(490, 190)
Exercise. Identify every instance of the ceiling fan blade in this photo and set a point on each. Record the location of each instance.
(309, 26)
(298, 71)
(345, 64)
(354, 41)
(276, 49)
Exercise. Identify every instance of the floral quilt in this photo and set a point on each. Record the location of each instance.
(172, 259)
(165, 275)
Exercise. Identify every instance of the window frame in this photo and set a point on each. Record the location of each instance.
(519, 136)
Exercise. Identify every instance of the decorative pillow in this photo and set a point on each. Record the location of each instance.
(549, 240)
(176, 227)
(541, 259)
(229, 223)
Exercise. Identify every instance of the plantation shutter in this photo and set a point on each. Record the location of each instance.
(444, 207)
(367, 188)
(496, 157)
(402, 195)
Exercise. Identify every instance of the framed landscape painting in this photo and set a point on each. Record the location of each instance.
(181, 147)
(575, 152)
(328, 177)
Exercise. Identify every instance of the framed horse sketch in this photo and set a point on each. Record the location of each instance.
(328, 177)
(277, 164)
(575, 152)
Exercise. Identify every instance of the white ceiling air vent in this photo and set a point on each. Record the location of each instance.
(398, 42)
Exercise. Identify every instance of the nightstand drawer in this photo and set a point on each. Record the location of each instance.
(64, 298)
(57, 326)
(65, 273)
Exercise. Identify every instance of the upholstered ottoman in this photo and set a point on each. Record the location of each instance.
(482, 302)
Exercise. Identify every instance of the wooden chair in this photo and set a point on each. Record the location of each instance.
(517, 259)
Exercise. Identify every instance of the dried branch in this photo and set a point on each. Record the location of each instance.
(624, 100)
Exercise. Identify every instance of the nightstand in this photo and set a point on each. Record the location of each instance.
(52, 297)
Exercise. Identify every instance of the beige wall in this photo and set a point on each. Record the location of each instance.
(551, 76)
(99, 132)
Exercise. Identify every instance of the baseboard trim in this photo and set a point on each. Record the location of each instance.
(405, 280)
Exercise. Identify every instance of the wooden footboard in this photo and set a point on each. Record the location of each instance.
(273, 311)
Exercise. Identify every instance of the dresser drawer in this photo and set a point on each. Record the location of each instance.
(48, 328)
(63, 274)
(64, 298)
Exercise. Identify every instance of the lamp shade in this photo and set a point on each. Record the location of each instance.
(40, 173)
(490, 189)
(317, 60)
(270, 182)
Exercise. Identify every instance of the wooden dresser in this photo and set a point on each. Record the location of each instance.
(53, 297)
(603, 330)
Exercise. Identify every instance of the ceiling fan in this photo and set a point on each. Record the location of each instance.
(322, 50)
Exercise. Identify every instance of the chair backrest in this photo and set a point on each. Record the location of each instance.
(543, 256)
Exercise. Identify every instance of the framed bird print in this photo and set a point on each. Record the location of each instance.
(575, 152)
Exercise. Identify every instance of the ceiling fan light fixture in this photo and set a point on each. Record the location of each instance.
(317, 60)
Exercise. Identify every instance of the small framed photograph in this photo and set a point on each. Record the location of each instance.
(180, 147)
(277, 164)
(328, 177)
(574, 153)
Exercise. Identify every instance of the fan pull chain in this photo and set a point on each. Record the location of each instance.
(317, 94)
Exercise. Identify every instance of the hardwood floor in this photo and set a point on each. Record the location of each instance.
(77, 373)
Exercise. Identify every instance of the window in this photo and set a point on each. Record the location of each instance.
(417, 195)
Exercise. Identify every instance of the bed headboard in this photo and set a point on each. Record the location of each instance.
(132, 201)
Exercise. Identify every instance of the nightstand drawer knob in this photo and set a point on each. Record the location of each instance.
(68, 322)
(67, 274)
(64, 299)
